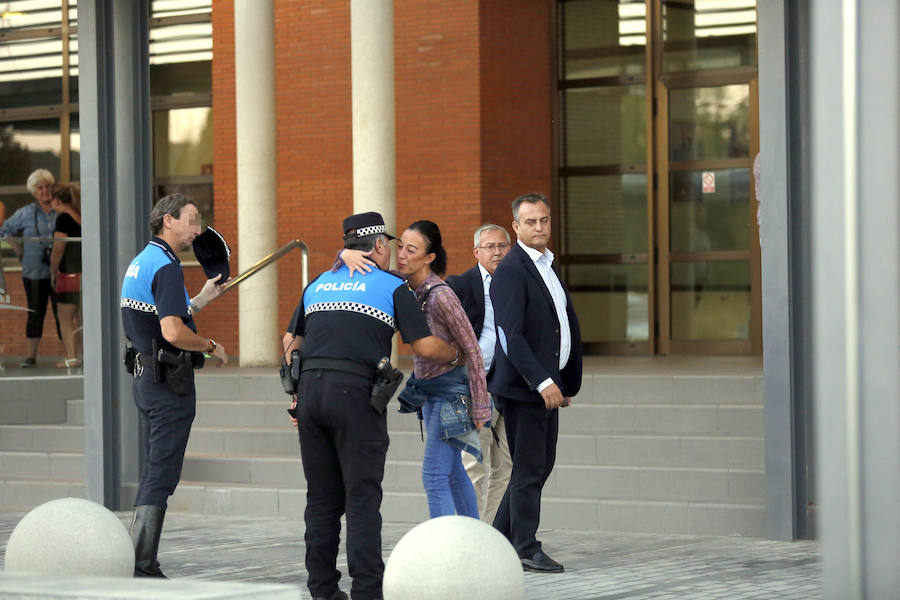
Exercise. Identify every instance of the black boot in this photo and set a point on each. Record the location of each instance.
(145, 530)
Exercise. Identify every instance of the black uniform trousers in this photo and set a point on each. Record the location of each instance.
(343, 444)
(531, 432)
(165, 425)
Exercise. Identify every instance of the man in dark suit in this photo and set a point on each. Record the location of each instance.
(491, 476)
(537, 369)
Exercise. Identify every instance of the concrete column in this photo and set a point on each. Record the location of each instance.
(254, 61)
(115, 184)
(855, 97)
(372, 72)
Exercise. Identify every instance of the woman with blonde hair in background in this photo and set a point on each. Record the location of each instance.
(65, 269)
(35, 220)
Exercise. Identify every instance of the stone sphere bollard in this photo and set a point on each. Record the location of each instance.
(71, 536)
(453, 558)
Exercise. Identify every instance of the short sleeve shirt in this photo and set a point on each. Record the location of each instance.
(355, 318)
(153, 288)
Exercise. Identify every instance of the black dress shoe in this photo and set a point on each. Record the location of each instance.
(338, 595)
(541, 563)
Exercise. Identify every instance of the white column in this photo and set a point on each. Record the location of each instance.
(254, 62)
(372, 72)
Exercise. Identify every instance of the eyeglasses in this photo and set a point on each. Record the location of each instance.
(492, 247)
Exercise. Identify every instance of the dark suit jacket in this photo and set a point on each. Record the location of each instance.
(528, 337)
(469, 288)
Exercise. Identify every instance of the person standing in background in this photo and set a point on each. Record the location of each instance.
(65, 269)
(35, 220)
(491, 476)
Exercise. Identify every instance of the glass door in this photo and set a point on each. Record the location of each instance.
(657, 133)
(708, 245)
(604, 184)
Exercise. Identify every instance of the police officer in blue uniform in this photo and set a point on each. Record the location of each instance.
(343, 326)
(165, 348)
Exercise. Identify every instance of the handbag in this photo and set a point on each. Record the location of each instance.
(68, 283)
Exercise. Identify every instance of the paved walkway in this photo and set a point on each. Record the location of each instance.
(601, 566)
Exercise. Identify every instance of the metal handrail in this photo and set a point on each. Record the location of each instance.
(39, 239)
(260, 265)
(267, 260)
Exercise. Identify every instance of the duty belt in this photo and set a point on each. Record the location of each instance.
(337, 364)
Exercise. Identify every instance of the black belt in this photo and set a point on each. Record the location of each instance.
(337, 364)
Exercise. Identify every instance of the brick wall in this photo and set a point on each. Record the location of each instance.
(516, 98)
(472, 119)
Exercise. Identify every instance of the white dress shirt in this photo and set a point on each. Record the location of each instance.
(543, 261)
(488, 338)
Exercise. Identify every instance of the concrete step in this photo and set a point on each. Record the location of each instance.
(696, 419)
(16, 411)
(697, 518)
(62, 387)
(704, 452)
(42, 465)
(670, 389)
(595, 388)
(634, 516)
(566, 481)
(25, 494)
(75, 412)
(46, 438)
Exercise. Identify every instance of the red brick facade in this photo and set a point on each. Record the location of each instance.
(473, 122)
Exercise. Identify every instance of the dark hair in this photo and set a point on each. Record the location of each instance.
(365, 243)
(432, 235)
(68, 194)
(167, 205)
(532, 198)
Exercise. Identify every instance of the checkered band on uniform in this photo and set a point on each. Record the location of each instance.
(372, 230)
(145, 307)
(353, 307)
(137, 305)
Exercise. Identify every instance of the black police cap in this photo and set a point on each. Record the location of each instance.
(212, 253)
(367, 223)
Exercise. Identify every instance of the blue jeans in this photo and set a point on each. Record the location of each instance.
(446, 483)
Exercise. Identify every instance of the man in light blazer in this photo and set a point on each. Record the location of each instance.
(491, 476)
(537, 370)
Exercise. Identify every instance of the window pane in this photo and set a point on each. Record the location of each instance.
(75, 147)
(708, 34)
(30, 72)
(200, 193)
(26, 146)
(73, 69)
(14, 202)
(182, 142)
(27, 14)
(606, 126)
(711, 300)
(603, 38)
(605, 214)
(180, 78)
(189, 42)
(709, 123)
(611, 301)
(170, 8)
(709, 220)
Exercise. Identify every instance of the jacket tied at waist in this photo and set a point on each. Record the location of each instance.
(452, 390)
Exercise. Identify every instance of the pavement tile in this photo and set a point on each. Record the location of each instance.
(599, 566)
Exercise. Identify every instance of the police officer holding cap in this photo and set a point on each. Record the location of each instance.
(163, 350)
(343, 327)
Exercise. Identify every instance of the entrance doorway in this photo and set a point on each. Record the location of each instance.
(658, 130)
